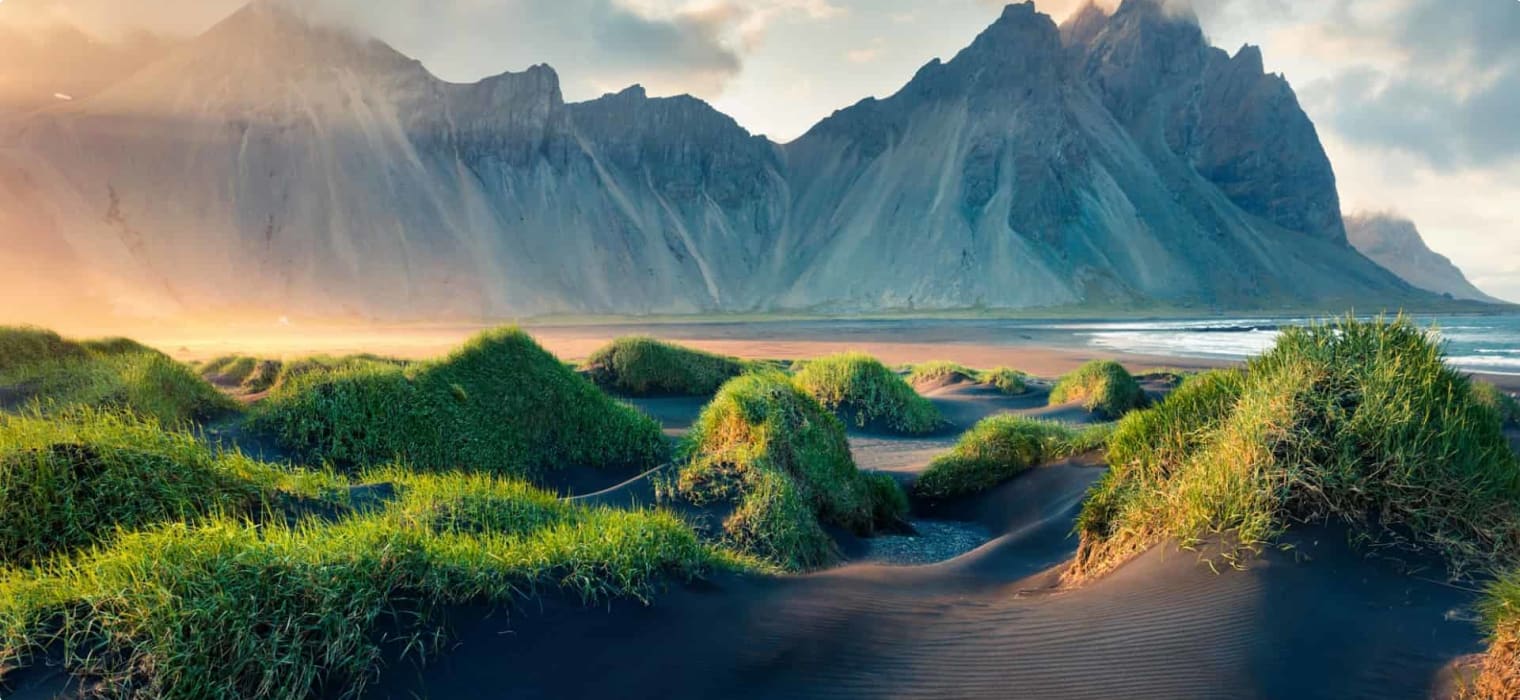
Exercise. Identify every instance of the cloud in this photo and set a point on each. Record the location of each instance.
(1438, 80)
(670, 46)
(867, 54)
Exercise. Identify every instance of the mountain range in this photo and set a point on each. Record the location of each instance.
(1116, 160)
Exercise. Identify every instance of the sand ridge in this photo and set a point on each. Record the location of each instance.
(1319, 620)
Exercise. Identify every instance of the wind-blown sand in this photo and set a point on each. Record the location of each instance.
(1318, 621)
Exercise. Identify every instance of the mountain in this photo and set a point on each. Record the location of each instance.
(1396, 244)
(283, 165)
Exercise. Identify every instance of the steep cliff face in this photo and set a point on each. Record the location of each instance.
(1396, 244)
(277, 164)
(1125, 172)
(1238, 127)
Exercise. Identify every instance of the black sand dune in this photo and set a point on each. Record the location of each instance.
(987, 625)
(1319, 621)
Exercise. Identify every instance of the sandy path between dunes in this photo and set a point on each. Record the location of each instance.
(1321, 621)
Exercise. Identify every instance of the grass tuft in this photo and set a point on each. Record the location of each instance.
(1009, 381)
(940, 371)
(57, 375)
(285, 611)
(641, 366)
(1506, 405)
(1103, 386)
(865, 391)
(72, 480)
(783, 461)
(1361, 422)
(999, 448)
(500, 404)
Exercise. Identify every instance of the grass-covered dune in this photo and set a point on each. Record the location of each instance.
(1103, 387)
(1007, 380)
(869, 393)
(999, 448)
(500, 404)
(58, 374)
(254, 375)
(783, 463)
(70, 481)
(222, 608)
(642, 366)
(1359, 422)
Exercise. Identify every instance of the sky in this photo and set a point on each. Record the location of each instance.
(1416, 101)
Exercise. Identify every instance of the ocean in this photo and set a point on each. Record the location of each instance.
(1489, 344)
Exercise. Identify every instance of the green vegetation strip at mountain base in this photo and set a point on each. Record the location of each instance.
(500, 404)
(1103, 386)
(999, 448)
(869, 393)
(641, 366)
(784, 463)
(1361, 422)
(58, 374)
(223, 609)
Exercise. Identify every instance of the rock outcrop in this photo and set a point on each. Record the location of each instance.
(1396, 244)
(276, 164)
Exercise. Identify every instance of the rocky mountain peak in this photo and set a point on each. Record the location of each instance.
(1395, 243)
(285, 37)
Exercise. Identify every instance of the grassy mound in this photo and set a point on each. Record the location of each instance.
(25, 346)
(120, 374)
(1104, 387)
(1009, 381)
(936, 372)
(784, 463)
(642, 366)
(999, 448)
(224, 609)
(1359, 422)
(500, 404)
(869, 393)
(70, 481)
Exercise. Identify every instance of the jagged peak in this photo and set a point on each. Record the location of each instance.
(1021, 31)
(1249, 56)
(1084, 24)
(285, 33)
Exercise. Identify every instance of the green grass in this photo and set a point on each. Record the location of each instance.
(641, 366)
(784, 463)
(24, 346)
(940, 371)
(999, 448)
(1009, 381)
(868, 393)
(1358, 422)
(72, 480)
(224, 609)
(1103, 387)
(1504, 404)
(58, 374)
(499, 404)
(1498, 675)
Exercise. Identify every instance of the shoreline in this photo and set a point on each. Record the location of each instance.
(1040, 351)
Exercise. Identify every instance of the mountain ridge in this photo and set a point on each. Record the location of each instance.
(356, 182)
